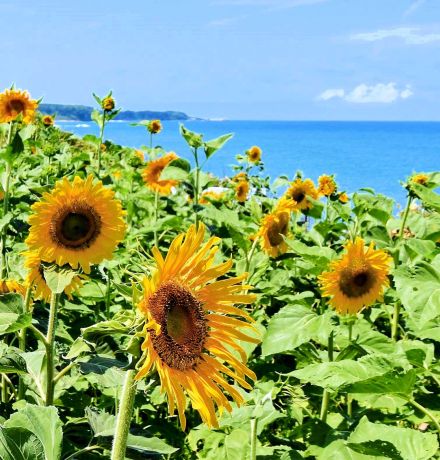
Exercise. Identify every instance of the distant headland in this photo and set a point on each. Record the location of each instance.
(83, 113)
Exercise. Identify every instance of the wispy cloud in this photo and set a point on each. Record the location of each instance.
(413, 7)
(382, 93)
(409, 35)
(275, 4)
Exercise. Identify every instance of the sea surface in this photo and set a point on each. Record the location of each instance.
(361, 154)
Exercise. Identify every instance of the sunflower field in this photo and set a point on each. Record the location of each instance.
(149, 309)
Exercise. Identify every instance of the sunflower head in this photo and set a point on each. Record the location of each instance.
(273, 229)
(343, 198)
(357, 279)
(14, 103)
(421, 179)
(192, 325)
(47, 120)
(12, 286)
(299, 192)
(140, 155)
(79, 223)
(240, 176)
(151, 174)
(209, 196)
(154, 126)
(241, 191)
(326, 185)
(108, 104)
(254, 154)
(35, 278)
(117, 174)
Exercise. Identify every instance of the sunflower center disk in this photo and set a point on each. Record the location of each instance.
(183, 326)
(356, 283)
(75, 227)
(298, 197)
(16, 106)
(276, 231)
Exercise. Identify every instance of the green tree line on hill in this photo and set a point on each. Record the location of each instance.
(83, 113)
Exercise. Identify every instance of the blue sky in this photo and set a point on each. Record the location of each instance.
(238, 59)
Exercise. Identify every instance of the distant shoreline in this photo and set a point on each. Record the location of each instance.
(82, 113)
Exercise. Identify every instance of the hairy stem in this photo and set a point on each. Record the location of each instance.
(156, 212)
(253, 454)
(425, 411)
(395, 323)
(405, 217)
(22, 339)
(50, 348)
(196, 188)
(326, 394)
(124, 416)
(101, 137)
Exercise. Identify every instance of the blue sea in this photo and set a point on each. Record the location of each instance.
(361, 154)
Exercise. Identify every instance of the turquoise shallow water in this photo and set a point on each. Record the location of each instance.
(361, 154)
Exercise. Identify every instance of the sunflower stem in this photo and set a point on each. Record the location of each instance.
(425, 411)
(326, 394)
(253, 453)
(405, 217)
(156, 212)
(250, 254)
(6, 188)
(22, 339)
(108, 295)
(196, 189)
(395, 323)
(124, 416)
(50, 348)
(101, 137)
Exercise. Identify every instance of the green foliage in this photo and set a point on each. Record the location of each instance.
(382, 376)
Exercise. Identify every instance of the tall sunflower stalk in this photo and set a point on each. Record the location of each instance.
(101, 118)
(195, 142)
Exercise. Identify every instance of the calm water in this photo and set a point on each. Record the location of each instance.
(361, 154)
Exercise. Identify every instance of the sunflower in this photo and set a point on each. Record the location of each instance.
(14, 103)
(139, 154)
(35, 278)
(299, 191)
(108, 104)
(117, 174)
(11, 286)
(326, 185)
(79, 223)
(254, 154)
(209, 196)
(151, 174)
(273, 228)
(242, 190)
(240, 176)
(47, 120)
(343, 197)
(190, 336)
(421, 179)
(154, 126)
(356, 280)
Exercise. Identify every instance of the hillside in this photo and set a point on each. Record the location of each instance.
(83, 112)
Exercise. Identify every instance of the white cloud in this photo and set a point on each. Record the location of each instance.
(409, 35)
(331, 93)
(382, 93)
